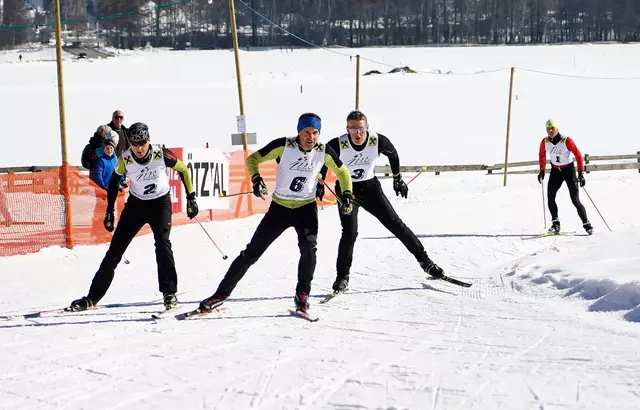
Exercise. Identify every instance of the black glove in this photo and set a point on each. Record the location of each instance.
(581, 180)
(399, 186)
(320, 190)
(346, 207)
(192, 205)
(541, 176)
(259, 187)
(108, 221)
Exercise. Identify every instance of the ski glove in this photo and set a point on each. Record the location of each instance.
(192, 205)
(581, 180)
(320, 190)
(108, 221)
(399, 186)
(541, 176)
(259, 187)
(346, 207)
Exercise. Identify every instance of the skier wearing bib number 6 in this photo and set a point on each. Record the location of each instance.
(359, 149)
(149, 202)
(293, 204)
(560, 148)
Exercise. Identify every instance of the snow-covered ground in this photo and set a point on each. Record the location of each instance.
(548, 323)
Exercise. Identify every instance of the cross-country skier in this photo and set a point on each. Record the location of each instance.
(149, 203)
(560, 148)
(293, 204)
(359, 148)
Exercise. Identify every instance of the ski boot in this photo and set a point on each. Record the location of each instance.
(213, 302)
(302, 301)
(555, 226)
(587, 227)
(170, 300)
(81, 304)
(340, 285)
(431, 268)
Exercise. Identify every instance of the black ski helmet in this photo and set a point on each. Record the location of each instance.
(138, 132)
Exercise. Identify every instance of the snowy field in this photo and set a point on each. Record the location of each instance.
(549, 323)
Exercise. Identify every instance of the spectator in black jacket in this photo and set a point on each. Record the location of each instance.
(117, 125)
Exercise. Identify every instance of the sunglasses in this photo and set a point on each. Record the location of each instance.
(118, 117)
(361, 129)
(137, 143)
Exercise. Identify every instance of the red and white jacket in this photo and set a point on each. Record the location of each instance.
(560, 153)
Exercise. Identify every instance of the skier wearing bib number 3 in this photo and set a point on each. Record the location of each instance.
(359, 149)
(293, 204)
(149, 202)
(560, 148)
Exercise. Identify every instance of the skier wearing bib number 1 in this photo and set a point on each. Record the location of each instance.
(359, 149)
(560, 148)
(149, 202)
(293, 204)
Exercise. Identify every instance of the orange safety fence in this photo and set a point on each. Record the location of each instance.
(32, 206)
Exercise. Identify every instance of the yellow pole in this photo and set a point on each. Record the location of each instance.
(358, 82)
(64, 177)
(506, 149)
(234, 31)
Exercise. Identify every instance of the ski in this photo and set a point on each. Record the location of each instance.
(163, 314)
(545, 234)
(42, 314)
(332, 296)
(452, 280)
(196, 313)
(455, 281)
(303, 315)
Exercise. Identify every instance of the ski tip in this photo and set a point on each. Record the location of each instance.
(303, 315)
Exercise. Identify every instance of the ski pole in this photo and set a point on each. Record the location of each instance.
(221, 195)
(334, 194)
(544, 212)
(424, 168)
(594, 205)
(212, 241)
(355, 200)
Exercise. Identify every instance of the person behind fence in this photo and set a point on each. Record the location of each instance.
(117, 124)
(107, 161)
(89, 158)
(359, 149)
(560, 148)
(149, 203)
(293, 204)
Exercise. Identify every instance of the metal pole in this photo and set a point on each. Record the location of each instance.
(358, 82)
(234, 32)
(64, 177)
(506, 149)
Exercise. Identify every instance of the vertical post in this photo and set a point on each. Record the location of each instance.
(64, 177)
(506, 148)
(234, 32)
(638, 161)
(358, 82)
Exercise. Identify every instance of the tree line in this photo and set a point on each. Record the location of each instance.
(351, 23)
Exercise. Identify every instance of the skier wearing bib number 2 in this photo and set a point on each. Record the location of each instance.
(359, 148)
(149, 202)
(560, 149)
(293, 204)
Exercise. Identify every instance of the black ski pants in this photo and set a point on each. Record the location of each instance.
(369, 195)
(137, 213)
(556, 178)
(278, 219)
